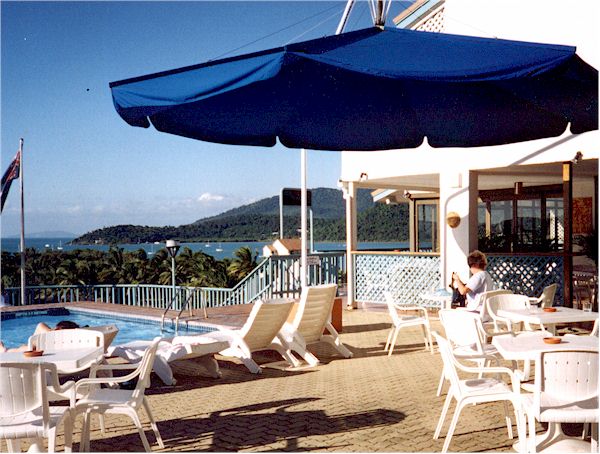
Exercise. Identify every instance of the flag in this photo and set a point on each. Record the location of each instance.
(12, 173)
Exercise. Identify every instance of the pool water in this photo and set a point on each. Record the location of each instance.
(16, 331)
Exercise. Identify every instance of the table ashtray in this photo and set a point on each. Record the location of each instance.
(32, 353)
(552, 340)
(549, 309)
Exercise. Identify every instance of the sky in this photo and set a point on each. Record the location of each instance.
(84, 167)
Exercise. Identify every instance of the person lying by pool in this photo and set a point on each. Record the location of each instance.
(41, 328)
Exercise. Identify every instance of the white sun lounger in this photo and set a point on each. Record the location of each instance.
(173, 349)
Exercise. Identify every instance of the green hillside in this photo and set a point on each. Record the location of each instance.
(257, 222)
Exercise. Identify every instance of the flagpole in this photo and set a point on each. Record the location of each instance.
(22, 224)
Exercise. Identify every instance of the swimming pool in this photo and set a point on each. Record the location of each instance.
(16, 327)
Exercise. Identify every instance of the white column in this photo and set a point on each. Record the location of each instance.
(303, 206)
(351, 241)
(454, 242)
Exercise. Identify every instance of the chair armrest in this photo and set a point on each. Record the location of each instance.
(412, 308)
(105, 380)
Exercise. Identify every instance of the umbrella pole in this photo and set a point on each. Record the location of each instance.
(303, 206)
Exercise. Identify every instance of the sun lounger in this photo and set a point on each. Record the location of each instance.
(173, 349)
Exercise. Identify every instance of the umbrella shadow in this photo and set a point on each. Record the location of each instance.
(256, 427)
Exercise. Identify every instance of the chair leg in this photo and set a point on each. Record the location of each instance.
(387, 342)
(68, 428)
(13, 445)
(138, 424)
(51, 440)
(84, 444)
(441, 384)
(440, 423)
(457, 410)
(102, 425)
(153, 422)
(531, 445)
(429, 337)
(508, 420)
(394, 338)
(521, 426)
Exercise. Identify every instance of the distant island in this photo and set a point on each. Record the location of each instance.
(259, 220)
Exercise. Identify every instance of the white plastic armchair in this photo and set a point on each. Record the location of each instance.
(65, 339)
(474, 391)
(467, 339)
(311, 321)
(119, 401)
(546, 299)
(24, 409)
(404, 321)
(565, 391)
(260, 332)
(486, 318)
(506, 302)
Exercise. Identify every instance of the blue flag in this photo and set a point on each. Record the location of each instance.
(12, 173)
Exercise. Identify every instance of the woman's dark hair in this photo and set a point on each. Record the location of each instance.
(477, 259)
(66, 324)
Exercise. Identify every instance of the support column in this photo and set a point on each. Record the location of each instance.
(568, 233)
(455, 242)
(351, 242)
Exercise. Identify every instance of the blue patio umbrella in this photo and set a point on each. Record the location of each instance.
(372, 89)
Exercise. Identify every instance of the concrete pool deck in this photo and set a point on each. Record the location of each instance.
(369, 403)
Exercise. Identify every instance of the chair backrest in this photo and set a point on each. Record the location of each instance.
(505, 301)
(485, 315)
(145, 367)
(66, 338)
(264, 322)
(566, 376)
(109, 332)
(547, 298)
(450, 372)
(594, 331)
(23, 389)
(461, 328)
(389, 300)
(314, 311)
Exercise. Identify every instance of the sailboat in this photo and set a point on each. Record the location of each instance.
(59, 247)
(219, 248)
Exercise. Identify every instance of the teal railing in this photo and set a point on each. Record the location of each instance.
(274, 277)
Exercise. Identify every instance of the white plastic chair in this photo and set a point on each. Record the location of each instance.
(260, 332)
(546, 299)
(119, 401)
(24, 409)
(403, 321)
(486, 317)
(506, 302)
(310, 322)
(466, 336)
(65, 339)
(475, 391)
(565, 391)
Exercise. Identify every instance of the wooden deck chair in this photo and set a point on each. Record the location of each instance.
(258, 333)
(312, 319)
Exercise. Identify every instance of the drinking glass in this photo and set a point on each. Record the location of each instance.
(586, 306)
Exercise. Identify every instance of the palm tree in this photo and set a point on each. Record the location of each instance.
(243, 263)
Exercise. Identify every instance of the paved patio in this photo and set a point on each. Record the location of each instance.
(370, 403)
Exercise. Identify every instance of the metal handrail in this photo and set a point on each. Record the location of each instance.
(186, 304)
(162, 319)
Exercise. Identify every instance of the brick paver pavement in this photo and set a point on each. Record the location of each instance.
(370, 403)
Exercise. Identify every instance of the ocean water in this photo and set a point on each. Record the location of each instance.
(219, 250)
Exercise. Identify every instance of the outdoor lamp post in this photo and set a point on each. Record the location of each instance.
(172, 248)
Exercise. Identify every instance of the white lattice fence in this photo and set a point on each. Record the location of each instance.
(406, 276)
(527, 275)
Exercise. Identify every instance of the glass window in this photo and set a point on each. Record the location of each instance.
(555, 232)
(495, 225)
(427, 226)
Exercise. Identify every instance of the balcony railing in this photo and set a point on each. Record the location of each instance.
(274, 277)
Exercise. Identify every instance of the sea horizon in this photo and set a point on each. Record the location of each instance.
(218, 249)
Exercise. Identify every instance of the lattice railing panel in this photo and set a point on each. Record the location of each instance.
(527, 275)
(406, 276)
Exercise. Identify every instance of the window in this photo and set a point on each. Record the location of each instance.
(427, 231)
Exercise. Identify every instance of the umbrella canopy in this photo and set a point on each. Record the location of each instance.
(372, 89)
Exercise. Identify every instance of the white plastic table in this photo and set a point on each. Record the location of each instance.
(443, 301)
(527, 347)
(66, 360)
(538, 316)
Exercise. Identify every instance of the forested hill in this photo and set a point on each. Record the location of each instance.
(257, 222)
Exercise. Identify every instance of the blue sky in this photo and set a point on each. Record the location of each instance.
(85, 168)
